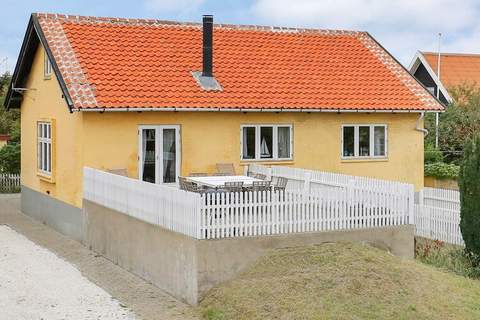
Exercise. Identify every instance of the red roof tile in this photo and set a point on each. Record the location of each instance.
(455, 68)
(121, 63)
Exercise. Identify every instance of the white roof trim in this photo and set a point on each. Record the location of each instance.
(102, 110)
(420, 59)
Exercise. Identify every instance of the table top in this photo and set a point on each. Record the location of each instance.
(219, 181)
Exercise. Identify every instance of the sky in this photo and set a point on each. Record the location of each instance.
(401, 26)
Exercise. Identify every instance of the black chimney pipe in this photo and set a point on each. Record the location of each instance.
(207, 46)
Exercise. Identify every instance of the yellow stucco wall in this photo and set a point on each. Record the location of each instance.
(44, 101)
(111, 141)
(2, 143)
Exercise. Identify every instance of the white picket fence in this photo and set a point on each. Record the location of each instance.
(437, 215)
(392, 193)
(9, 183)
(244, 214)
(167, 207)
(222, 215)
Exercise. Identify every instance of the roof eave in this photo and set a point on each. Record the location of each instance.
(26, 58)
(271, 110)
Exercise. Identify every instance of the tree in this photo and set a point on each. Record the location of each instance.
(11, 118)
(10, 158)
(458, 124)
(469, 182)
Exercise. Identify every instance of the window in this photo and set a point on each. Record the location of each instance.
(47, 67)
(44, 147)
(269, 142)
(364, 141)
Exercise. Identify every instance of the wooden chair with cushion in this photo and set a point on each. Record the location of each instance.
(233, 186)
(227, 168)
(183, 183)
(261, 185)
(260, 176)
(280, 183)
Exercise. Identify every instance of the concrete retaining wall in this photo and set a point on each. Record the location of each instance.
(59, 215)
(187, 268)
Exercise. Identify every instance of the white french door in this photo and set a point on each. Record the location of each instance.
(159, 153)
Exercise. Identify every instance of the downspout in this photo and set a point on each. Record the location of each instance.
(417, 126)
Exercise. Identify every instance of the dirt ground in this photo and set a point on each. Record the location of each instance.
(132, 293)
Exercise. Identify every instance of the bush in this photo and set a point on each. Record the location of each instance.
(442, 170)
(432, 154)
(10, 158)
(459, 123)
(469, 183)
(448, 257)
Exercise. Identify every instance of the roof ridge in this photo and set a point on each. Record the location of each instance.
(155, 22)
(451, 53)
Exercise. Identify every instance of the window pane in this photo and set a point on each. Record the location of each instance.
(148, 154)
(283, 142)
(364, 141)
(169, 156)
(39, 128)
(348, 141)
(266, 142)
(248, 141)
(44, 157)
(39, 152)
(49, 157)
(379, 141)
(49, 131)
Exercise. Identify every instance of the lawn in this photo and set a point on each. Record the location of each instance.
(342, 281)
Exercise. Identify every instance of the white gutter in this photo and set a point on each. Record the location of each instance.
(247, 110)
(417, 126)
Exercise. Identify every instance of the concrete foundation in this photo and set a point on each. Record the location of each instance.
(63, 217)
(187, 268)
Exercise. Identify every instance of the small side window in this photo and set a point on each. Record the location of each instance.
(47, 66)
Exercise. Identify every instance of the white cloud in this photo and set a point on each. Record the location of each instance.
(402, 26)
(174, 6)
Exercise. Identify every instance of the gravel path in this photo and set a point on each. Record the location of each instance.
(144, 299)
(36, 284)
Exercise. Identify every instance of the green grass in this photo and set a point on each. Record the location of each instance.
(342, 281)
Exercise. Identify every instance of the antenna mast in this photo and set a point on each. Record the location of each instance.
(437, 115)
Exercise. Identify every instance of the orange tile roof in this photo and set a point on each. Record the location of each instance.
(134, 63)
(455, 68)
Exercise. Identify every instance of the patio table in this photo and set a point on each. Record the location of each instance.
(216, 182)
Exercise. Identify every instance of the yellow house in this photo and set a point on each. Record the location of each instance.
(156, 100)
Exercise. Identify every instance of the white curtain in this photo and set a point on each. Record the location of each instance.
(283, 142)
(144, 151)
(245, 144)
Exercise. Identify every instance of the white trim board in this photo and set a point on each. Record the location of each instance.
(420, 59)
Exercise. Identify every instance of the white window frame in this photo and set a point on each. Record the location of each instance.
(274, 141)
(44, 160)
(356, 141)
(47, 67)
(159, 152)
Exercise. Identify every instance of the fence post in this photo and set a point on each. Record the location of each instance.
(199, 211)
(308, 180)
(411, 204)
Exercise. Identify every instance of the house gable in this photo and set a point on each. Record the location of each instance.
(423, 72)
(33, 39)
